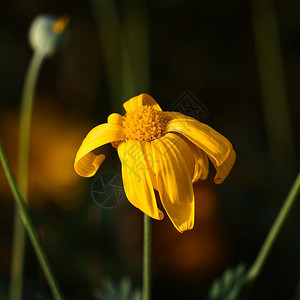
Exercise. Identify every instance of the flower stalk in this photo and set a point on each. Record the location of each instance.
(147, 259)
(19, 238)
(28, 224)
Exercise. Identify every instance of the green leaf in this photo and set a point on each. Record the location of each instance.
(229, 286)
(117, 291)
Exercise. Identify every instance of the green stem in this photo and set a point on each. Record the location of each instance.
(147, 258)
(106, 17)
(25, 122)
(135, 29)
(271, 74)
(19, 237)
(30, 227)
(273, 233)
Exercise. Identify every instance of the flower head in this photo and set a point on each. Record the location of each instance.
(165, 151)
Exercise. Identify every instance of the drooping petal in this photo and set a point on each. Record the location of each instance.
(139, 101)
(224, 169)
(215, 145)
(136, 179)
(174, 169)
(201, 163)
(86, 162)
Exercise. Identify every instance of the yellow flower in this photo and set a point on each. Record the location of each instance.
(165, 151)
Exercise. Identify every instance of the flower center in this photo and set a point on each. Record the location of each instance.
(145, 124)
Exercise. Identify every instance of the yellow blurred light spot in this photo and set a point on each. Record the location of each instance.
(51, 176)
(60, 25)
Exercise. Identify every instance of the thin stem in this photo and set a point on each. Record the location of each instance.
(271, 74)
(106, 17)
(273, 233)
(147, 258)
(25, 122)
(19, 237)
(30, 227)
(135, 29)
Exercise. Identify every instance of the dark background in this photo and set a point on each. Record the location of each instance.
(205, 47)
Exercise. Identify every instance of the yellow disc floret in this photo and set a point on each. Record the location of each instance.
(145, 124)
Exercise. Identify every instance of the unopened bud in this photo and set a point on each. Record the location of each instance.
(46, 32)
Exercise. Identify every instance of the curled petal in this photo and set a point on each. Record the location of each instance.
(115, 119)
(87, 162)
(174, 169)
(224, 169)
(136, 179)
(215, 145)
(139, 101)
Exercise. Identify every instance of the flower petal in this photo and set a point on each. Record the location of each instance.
(136, 179)
(201, 163)
(215, 145)
(139, 101)
(224, 169)
(174, 169)
(86, 162)
(115, 119)
(150, 161)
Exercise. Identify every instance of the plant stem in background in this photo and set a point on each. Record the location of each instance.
(274, 96)
(28, 224)
(147, 259)
(125, 48)
(136, 33)
(109, 29)
(128, 86)
(19, 237)
(26, 117)
(274, 232)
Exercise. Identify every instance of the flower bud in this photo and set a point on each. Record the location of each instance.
(46, 32)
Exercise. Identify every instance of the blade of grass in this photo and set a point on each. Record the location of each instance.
(283, 214)
(28, 224)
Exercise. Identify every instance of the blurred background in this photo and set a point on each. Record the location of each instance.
(240, 59)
